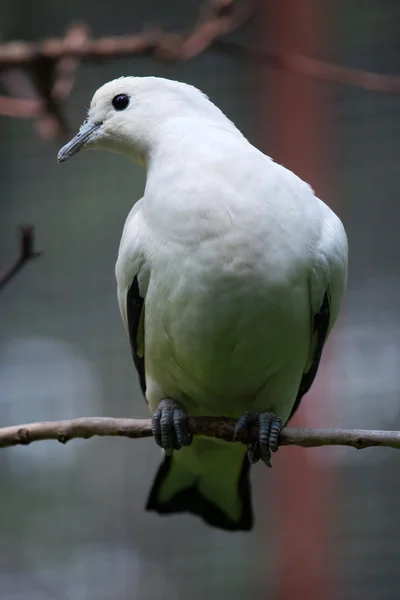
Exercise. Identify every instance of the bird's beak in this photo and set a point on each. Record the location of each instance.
(82, 137)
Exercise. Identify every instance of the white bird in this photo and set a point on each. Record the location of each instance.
(230, 277)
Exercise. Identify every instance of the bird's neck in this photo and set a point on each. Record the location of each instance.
(182, 139)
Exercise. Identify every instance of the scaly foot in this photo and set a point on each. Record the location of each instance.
(169, 427)
(270, 427)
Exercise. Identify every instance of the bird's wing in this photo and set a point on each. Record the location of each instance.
(132, 276)
(135, 318)
(327, 286)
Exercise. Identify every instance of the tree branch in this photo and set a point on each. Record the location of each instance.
(43, 73)
(315, 69)
(219, 427)
(26, 253)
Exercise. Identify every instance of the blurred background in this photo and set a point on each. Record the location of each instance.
(72, 520)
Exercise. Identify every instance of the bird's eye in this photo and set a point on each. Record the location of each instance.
(120, 102)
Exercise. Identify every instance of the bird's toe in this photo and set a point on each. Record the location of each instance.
(169, 427)
(267, 440)
(270, 427)
(243, 433)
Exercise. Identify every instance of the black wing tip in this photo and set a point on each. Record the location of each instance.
(190, 500)
(134, 307)
(321, 326)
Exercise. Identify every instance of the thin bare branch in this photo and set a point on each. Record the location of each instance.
(219, 427)
(26, 253)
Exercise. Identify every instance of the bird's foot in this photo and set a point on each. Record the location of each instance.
(169, 427)
(270, 427)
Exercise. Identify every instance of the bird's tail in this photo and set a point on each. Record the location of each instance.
(209, 479)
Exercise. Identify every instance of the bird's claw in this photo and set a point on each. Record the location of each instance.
(169, 427)
(270, 427)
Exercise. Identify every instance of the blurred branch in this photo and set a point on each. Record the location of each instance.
(219, 427)
(316, 69)
(217, 18)
(26, 253)
(51, 64)
(44, 82)
(45, 71)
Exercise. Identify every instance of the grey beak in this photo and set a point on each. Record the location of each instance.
(84, 135)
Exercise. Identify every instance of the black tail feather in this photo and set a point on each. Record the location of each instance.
(191, 500)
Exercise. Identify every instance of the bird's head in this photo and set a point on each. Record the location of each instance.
(127, 114)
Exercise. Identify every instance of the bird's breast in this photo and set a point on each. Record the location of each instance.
(220, 322)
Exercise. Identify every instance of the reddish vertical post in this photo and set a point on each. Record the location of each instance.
(291, 110)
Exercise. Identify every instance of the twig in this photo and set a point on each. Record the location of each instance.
(26, 253)
(219, 427)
